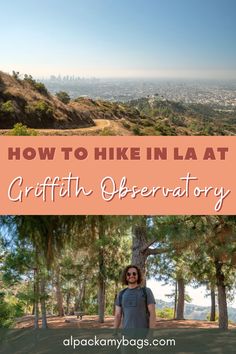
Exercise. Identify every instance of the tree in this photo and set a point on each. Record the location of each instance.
(16, 75)
(63, 97)
(106, 232)
(47, 236)
(214, 252)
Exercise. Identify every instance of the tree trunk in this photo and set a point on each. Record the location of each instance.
(36, 299)
(68, 297)
(180, 302)
(213, 304)
(101, 298)
(222, 302)
(36, 316)
(43, 303)
(82, 304)
(115, 296)
(139, 253)
(79, 301)
(101, 274)
(59, 296)
(176, 297)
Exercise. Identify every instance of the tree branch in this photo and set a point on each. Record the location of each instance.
(154, 251)
(148, 244)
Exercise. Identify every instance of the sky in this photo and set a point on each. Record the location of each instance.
(199, 296)
(125, 38)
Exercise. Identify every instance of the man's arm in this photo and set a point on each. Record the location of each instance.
(152, 315)
(118, 315)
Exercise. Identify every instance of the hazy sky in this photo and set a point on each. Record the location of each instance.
(119, 38)
(199, 296)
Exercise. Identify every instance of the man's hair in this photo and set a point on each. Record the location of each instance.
(124, 274)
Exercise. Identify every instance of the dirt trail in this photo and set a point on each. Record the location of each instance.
(92, 322)
(101, 124)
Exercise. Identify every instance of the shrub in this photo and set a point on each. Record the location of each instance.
(164, 128)
(5, 320)
(38, 86)
(166, 312)
(21, 130)
(41, 88)
(8, 312)
(136, 130)
(125, 124)
(40, 109)
(178, 120)
(16, 75)
(92, 309)
(63, 97)
(7, 107)
(208, 316)
(146, 122)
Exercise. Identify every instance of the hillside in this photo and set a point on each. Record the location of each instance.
(29, 102)
(176, 118)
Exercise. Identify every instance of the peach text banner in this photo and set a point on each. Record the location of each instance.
(118, 175)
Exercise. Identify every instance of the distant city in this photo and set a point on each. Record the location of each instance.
(218, 94)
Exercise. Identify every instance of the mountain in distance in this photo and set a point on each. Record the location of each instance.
(195, 312)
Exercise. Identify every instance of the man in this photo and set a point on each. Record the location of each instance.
(135, 305)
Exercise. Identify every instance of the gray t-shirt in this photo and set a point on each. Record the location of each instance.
(134, 309)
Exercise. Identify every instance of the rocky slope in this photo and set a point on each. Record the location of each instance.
(30, 103)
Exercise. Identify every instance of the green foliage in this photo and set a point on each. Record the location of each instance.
(38, 86)
(126, 124)
(7, 107)
(104, 247)
(21, 130)
(178, 120)
(136, 130)
(166, 312)
(209, 316)
(15, 265)
(63, 97)
(5, 312)
(16, 75)
(164, 128)
(40, 109)
(197, 119)
(8, 311)
(92, 309)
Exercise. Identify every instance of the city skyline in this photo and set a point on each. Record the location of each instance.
(126, 39)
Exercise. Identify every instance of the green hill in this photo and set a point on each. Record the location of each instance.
(176, 118)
